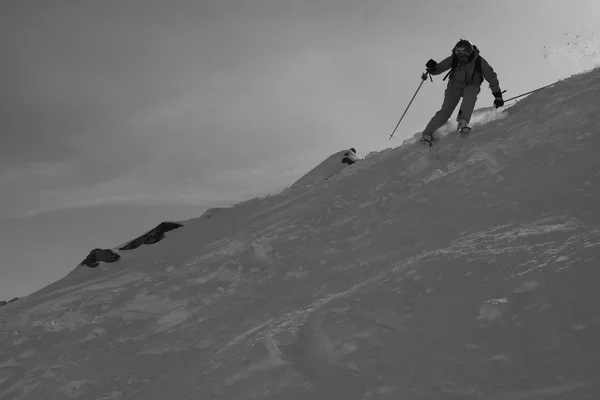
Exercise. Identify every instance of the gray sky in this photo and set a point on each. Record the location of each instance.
(170, 107)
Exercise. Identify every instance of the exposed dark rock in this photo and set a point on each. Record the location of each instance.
(97, 256)
(154, 236)
(3, 303)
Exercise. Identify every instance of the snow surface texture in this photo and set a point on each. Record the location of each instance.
(331, 166)
(470, 273)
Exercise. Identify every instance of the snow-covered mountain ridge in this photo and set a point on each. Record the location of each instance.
(468, 271)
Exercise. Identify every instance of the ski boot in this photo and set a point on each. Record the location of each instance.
(463, 127)
(427, 140)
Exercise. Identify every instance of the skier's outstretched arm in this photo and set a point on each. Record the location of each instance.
(440, 67)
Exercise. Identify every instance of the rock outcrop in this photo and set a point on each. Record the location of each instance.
(154, 236)
(97, 256)
(3, 302)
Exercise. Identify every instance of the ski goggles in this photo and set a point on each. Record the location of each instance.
(463, 50)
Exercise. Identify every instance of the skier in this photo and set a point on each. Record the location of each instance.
(350, 157)
(467, 72)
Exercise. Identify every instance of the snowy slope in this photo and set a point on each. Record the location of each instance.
(469, 273)
(332, 165)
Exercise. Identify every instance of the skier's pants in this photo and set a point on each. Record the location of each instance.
(451, 98)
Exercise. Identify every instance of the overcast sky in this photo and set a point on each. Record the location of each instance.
(118, 114)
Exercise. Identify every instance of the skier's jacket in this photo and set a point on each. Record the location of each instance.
(472, 72)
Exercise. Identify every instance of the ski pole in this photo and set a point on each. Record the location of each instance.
(533, 91)
(423, 79)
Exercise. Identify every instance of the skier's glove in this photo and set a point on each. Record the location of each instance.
(431, 64)
(498, 101)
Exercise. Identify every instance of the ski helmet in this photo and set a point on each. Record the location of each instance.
(463, 49)
(353, 150)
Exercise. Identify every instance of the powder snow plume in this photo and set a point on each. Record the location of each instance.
(480, 116)
(580, 52)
